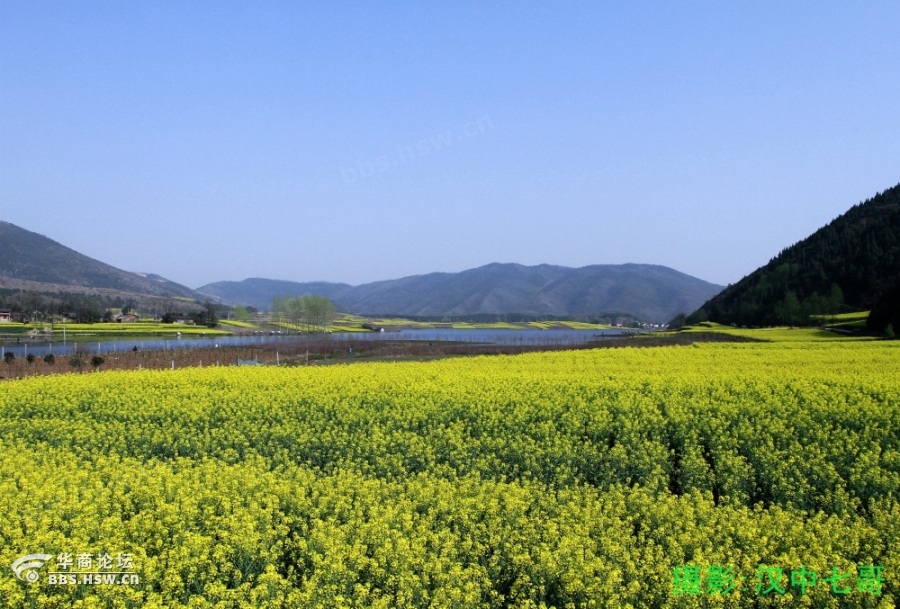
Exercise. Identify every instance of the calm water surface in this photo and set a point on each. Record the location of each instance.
(492, 337)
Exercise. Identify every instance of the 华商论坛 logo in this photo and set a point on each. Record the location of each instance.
(26, 567)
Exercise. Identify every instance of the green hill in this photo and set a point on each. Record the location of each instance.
(848, 265)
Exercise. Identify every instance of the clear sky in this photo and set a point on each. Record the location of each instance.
(354, 142)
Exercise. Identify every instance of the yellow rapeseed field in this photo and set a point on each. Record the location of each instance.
(721, 475)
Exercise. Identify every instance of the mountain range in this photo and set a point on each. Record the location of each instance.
(34, 263)
(851, 264)
(648, 292)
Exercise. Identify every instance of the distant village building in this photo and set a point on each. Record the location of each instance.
(5, 315)
(127, 318)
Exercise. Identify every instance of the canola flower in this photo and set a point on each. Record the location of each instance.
(564, 479)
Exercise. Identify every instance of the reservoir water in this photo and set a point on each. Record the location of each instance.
(481, 336)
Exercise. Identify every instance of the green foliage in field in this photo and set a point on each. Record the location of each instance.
(563, 479)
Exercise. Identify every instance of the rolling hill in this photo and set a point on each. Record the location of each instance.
(851, 264)
(649, 292)
(35, 263)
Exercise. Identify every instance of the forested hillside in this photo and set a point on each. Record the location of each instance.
(847, 265)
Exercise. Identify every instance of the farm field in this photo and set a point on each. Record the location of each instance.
(778, 333)
(244, 325)
(721, 475)
(846, 321)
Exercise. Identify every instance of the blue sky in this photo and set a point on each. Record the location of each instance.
(354, 142)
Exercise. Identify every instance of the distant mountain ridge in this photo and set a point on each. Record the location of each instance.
(649, 292)
(850, 263)
(34, 262)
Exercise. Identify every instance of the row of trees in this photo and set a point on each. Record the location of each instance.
(36, 306)
(314, 313)
(81, 308)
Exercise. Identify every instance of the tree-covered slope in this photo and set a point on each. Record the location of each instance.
(846, 265)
